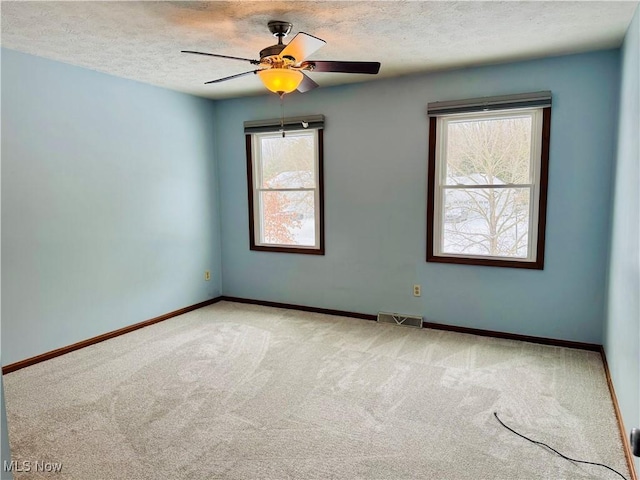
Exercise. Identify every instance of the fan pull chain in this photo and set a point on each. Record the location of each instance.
(282, 115)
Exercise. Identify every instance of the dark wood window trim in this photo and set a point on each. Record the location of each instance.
(263, 248)
(538, 264)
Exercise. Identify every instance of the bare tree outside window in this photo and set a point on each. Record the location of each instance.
(490, 220)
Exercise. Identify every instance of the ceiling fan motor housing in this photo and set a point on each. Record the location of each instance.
(273, 50)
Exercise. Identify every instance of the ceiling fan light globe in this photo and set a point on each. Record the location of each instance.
(281, 80)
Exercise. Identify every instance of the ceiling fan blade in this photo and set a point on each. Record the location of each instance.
(223, 79)
(302, 46)
(342, 67)
(253, 62)
(306, 84)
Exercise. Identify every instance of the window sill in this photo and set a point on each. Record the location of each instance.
(303, 251)
(487, 262)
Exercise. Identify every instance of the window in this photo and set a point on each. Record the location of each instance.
(488, 164)
(286, 188)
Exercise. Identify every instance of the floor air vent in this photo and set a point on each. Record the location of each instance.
(398, 319)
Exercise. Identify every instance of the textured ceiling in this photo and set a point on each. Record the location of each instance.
(142, 40)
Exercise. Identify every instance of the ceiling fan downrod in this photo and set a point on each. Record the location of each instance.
(279, 29)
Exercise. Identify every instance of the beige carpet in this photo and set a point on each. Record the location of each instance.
(242, 392)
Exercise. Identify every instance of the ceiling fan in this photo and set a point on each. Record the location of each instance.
(282, 66)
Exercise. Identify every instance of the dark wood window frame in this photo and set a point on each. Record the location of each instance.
(250, 189)
(538, 264)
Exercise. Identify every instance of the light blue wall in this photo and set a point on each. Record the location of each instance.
(4, 439)
(622, 327)
(375, 177)
(109, 204)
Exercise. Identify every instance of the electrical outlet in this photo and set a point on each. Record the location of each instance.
(416, 290)
(207, 275)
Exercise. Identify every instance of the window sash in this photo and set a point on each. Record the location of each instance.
(259, 228)
(257, 148)
(531, 236)
(534, 151)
